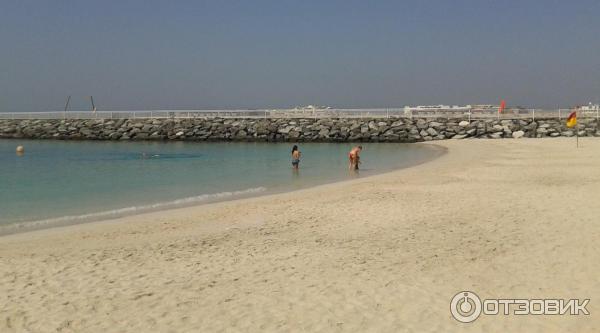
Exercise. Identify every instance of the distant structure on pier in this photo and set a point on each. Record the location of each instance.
(308, 110)
(436, 109)
(447, 110)
(589, 109)
(484, 107)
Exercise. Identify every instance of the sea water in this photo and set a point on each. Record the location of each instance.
(65, 182)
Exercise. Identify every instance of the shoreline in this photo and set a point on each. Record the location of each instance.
(382, 253)
(124, 212)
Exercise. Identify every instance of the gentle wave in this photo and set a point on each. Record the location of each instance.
(73, 219)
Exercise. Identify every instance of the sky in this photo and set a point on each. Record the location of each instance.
(147, 54)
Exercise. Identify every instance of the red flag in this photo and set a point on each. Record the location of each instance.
(502, 106)
(572, 120)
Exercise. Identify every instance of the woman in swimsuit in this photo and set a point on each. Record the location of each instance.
(295, 157)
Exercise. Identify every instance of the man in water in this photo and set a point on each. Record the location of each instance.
(354, 158)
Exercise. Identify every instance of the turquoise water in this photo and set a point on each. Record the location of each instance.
(63, 182)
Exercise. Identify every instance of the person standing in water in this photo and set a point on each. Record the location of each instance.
(295, 157)
(354, 157)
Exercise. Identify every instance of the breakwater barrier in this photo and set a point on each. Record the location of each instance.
(393, 129)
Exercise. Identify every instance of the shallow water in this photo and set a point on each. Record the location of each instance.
(63, 182)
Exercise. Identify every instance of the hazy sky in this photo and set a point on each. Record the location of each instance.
(203, 54)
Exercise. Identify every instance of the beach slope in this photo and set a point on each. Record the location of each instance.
(501, 218)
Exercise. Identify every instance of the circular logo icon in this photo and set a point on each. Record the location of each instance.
(465, 306)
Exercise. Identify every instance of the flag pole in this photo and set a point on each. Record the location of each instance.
(574, 124)
(577, 130)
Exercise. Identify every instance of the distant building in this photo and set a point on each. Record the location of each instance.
(436, 109)
(590, 108)
(312, 107)
(485, 107)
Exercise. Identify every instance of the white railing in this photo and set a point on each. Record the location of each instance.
(301, 113)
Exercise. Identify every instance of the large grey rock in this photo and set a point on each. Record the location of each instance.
(285, 130)
(518, 134)
(497, 128)
(324, 133)
(389, 133)
(422, 125)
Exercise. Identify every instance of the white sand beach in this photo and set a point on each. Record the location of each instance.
(501, 218)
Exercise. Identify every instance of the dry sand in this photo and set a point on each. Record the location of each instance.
(503, 218)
